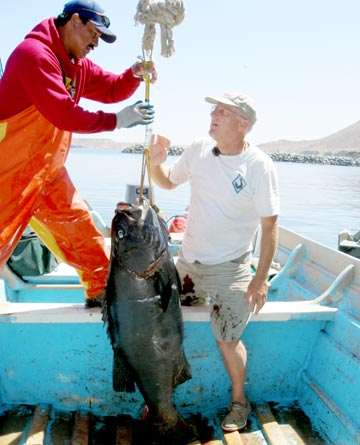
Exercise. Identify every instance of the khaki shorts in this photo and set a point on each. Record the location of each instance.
(224, 287)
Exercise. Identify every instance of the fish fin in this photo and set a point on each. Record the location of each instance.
(109, 290)
(167, 281)
(104, 311)
(183, 374)
(165, 292)
(122, 378)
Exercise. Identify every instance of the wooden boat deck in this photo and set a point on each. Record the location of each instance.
(269, 424)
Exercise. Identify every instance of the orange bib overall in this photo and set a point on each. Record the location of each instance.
(36, 189)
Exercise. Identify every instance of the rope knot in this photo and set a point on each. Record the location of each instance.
(167, 14)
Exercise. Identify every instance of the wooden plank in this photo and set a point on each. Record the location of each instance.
(10, 438)
(233, 438)
(270, 427)
(252, 438)
(293, 435)
(296, 426)
(37, 431)
(81, 429)
(239, 438)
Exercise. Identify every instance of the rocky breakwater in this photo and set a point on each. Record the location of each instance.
(138, 148)
(348, 159)
(345, 160)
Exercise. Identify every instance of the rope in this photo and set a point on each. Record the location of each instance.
(167, 14)
(146, 166)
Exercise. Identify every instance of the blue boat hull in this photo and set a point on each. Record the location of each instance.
(303, 349)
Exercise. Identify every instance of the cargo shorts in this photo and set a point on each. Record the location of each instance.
(223, 286)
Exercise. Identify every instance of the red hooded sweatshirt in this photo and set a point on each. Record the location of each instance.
(39, 72)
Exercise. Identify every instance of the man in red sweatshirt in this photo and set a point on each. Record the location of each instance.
(43, 82)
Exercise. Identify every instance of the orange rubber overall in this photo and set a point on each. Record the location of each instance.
(36, 188)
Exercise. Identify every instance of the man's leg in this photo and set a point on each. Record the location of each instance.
(64, 224)
(234, 357)
(227, 284)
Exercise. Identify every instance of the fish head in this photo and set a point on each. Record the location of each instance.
(139, 236)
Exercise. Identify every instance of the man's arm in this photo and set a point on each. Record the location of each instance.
(258, 287)
(269, 242)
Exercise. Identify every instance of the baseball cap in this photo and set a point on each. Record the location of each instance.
(95, 14)
(243, 103)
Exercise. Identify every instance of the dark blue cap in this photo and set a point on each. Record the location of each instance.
(93, 12)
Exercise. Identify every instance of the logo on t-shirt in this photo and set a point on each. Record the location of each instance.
(239, 183)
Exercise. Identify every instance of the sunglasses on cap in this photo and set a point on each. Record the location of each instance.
(96, 17)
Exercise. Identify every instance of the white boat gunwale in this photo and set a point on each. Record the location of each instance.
(76, 313)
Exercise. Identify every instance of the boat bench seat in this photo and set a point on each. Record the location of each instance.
(349, 244)
(76, 313)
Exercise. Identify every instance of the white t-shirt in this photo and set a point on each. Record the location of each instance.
(229, 195)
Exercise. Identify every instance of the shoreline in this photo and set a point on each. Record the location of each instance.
(347, 161)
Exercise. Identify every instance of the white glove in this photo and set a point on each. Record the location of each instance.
(141, 113)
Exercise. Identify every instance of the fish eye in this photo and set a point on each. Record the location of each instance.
(121, 234)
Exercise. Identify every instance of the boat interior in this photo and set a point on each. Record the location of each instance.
(303, 376)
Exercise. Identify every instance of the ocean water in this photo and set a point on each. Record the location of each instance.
(317, 201)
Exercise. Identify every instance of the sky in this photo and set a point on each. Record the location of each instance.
(298, 60)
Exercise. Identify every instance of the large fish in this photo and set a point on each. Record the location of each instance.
(143, 313)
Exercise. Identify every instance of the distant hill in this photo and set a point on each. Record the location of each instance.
(342, 143)
(345, 142)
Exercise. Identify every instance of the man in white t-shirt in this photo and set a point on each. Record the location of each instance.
(233, 191)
